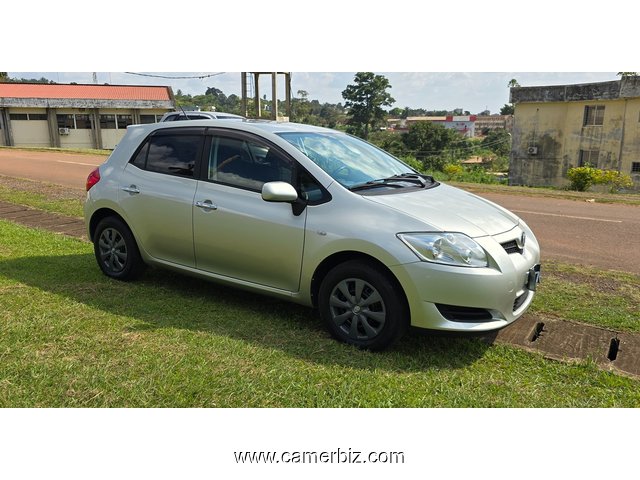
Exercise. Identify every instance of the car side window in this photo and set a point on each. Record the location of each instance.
(169, 154)
(246, 164)
(311, 190)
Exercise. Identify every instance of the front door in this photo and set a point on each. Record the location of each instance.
(236, 233)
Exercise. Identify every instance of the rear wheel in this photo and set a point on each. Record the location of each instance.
(362, 306)
(116, 250)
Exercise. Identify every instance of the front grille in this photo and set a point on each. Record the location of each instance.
(520, 301)
(463, 314)
(511, 247)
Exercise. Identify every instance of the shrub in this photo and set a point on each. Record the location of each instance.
(475, 174)
(582, 178)
(616, 180)
(453, 170)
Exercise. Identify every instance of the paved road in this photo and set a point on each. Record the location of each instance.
(606, 236)
(602, 235)
(67, 169)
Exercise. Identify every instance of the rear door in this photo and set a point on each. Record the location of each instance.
(157, 193)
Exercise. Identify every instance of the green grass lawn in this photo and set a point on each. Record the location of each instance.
(604, 298)
(43, 196)
(70, 337)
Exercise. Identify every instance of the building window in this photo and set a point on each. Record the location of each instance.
(107, 122)
(589, 158)
(65, 121)
(83, 122)
(123, 121)
(635, 167)
(28, 116)
(115, 121)
(593, 115)
(149, 118)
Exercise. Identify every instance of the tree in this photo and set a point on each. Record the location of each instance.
(508, 109)
(428, 141)
(301, 108)
(365, 99)
(498, 141)
(627, 74)
(4, 77)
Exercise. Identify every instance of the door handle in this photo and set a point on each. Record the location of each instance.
(206, 205)
(132, 189)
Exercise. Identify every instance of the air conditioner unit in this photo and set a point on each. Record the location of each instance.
(532, 150)
(63, 131)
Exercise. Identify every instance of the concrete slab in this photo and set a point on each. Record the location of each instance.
(8, 208)
(45, 221)
(20, 214)
(627, 359)
(566, 340)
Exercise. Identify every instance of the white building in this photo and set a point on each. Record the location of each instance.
(76, 116)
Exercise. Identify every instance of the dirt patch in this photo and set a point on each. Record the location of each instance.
(599, 284)
(48, 190)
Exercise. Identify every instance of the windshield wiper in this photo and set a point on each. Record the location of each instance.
(396, 181)
(423, 179)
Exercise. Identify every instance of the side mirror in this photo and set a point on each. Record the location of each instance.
(279, 192)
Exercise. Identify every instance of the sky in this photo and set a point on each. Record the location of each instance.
(472, 91)
(440, 56)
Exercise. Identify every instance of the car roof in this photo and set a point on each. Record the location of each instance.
(255, 126)
(187, 113)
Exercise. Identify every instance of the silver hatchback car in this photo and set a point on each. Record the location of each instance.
(313, 216)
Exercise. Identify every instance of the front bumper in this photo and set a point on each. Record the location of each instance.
(443, 297)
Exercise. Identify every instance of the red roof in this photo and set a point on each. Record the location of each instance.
(96, 92)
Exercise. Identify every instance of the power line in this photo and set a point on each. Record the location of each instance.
(174, 78)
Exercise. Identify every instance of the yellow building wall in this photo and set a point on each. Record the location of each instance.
(557, 130)
(631, 145)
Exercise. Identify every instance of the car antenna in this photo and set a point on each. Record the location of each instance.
(186, 117)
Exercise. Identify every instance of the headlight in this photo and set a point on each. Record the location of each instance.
(446, 248)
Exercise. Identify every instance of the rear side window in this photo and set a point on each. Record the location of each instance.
(170, 154)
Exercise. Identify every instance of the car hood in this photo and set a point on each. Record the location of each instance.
(450, 209)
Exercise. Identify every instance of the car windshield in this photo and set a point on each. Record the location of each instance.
(350, 161)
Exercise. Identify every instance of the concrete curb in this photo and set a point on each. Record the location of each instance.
(31, 217)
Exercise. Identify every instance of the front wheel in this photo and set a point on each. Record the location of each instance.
(116, 250)
(362, 306)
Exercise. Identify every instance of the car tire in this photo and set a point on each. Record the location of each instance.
(362, 305)
(116, 250)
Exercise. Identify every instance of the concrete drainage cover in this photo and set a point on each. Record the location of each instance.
(564, 340)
